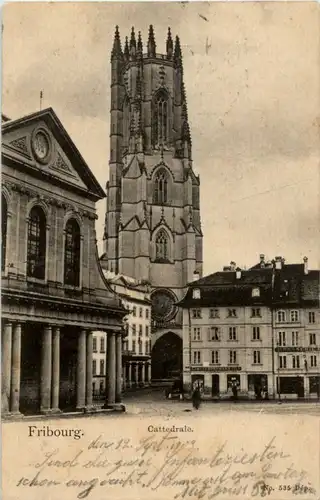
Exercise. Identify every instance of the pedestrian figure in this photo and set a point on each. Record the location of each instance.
(235, 390)
(196, 398)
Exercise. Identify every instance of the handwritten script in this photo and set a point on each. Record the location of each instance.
(167, 466)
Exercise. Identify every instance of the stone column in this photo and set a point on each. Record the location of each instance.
(81, 370)
(124, 376)
(15, 369)
(89, 369)
(111, 393)
(130, 375)
(46, 370)
(6, 366)
(137, 374)
(143, 372)
(118, 367)
(55, 369)
(149, 373)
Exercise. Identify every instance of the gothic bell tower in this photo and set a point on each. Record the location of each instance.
(152, 225)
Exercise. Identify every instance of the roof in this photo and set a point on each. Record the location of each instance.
(55, 126)
(288, 286)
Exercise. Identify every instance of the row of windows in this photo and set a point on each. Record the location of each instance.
(256, 359)
(232, 357)
(214, 334)
(134, 329)
(196, 293)
(135, 312)
(296, 362)
(284, 339)
(37, 245)
(102, 344)
(137, 347)
(282, 316)
(101, 366)
(230, 313)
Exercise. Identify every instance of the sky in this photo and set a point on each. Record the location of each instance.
(252, 80)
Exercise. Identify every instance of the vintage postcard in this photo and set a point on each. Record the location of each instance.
(160, 250)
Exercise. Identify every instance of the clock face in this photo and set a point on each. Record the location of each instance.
(162, 305)
(41, 145)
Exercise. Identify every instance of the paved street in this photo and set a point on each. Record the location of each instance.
(153, 402)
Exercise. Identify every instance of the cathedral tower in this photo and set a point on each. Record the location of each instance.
(152, 224)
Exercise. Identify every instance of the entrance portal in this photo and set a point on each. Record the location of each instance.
(215, 385)
(166, 357)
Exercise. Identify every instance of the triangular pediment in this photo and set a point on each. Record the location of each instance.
(40, 143)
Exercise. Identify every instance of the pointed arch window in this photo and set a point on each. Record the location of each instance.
(4, 222)
(161, 119)
(160, 187)
(162, 246)
(36, 253)
(126, 122)
(72, 253)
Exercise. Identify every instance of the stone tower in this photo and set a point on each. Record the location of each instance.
(152, 225)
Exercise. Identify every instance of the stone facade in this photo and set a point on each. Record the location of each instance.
(242, 326)
(136, 359)
(53, 290)
(152, 227)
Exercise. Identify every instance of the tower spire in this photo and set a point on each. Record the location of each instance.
(133, 45)
(169, 45)
(116, 49)
(151, 43)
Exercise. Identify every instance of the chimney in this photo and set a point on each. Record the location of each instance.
(305, 261)
(262, 261)
(196, 276)
(232, 266)
(278, 262)
(238, 273)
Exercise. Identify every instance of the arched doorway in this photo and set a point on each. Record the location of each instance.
(166, 357)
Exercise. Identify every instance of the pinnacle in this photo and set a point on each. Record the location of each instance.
(169, 45)
(116, 49)
(177, 51)
(140, 47)
(126, 49)
(133, 38)
(151, 43)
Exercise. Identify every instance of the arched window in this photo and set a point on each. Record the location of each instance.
(4, 215)
(36, 254)
(162, 246)
(72, 254)
(160, 135)
(160, 190)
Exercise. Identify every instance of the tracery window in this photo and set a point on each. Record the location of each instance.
(36, 249)
(4, 215)
(160, 188)
(161, 119)
(72, 254)
(162, 246)
(126, 122)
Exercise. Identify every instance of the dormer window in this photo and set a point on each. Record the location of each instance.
(255, 292)
(196, 294)
(232, 313)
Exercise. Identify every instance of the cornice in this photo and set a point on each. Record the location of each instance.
(50, 200)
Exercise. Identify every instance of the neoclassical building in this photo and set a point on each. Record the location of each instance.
(53, 290)
(152, 225)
